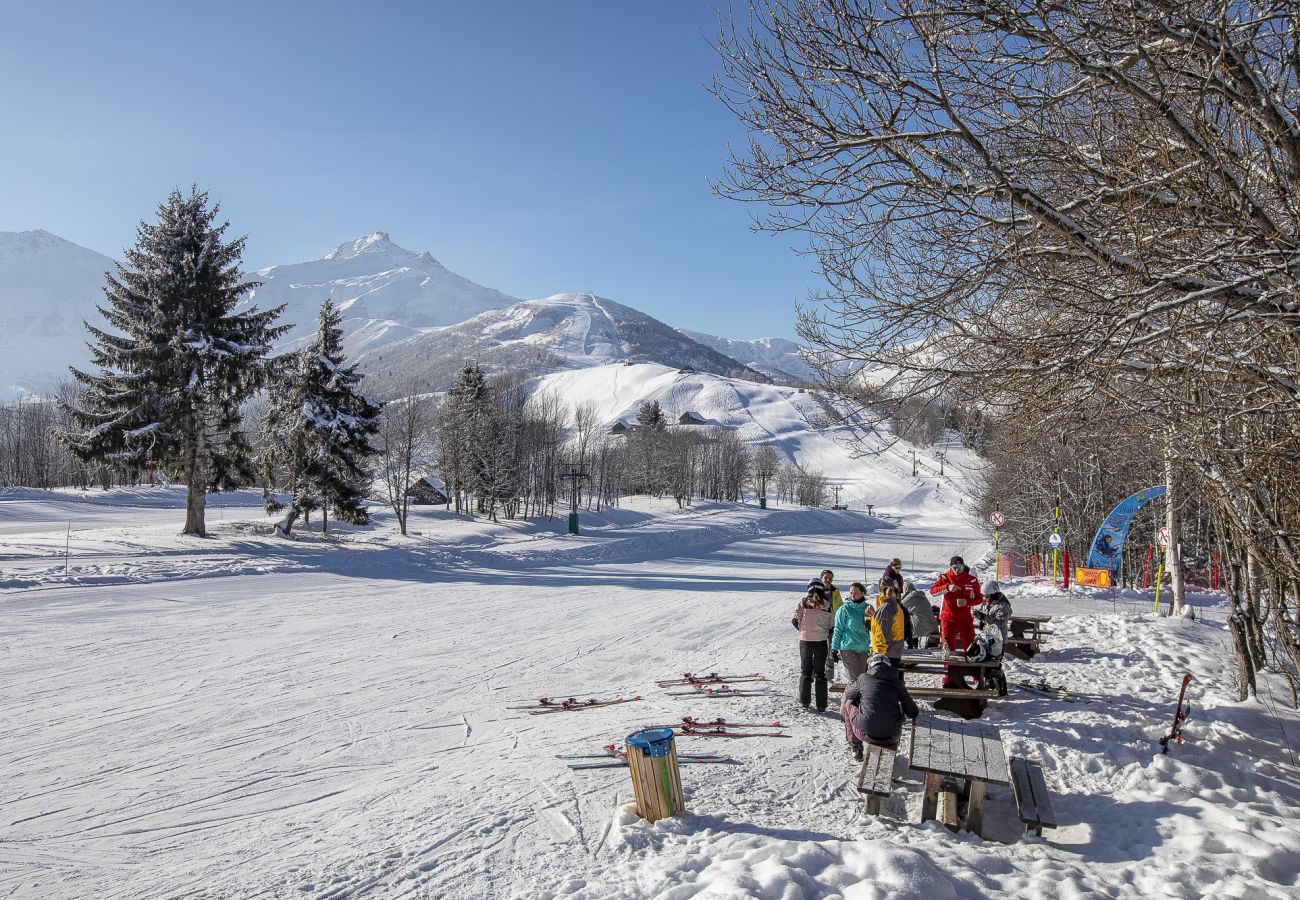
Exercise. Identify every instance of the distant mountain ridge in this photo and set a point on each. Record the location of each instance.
(408, 320)
(563, 331)
(48, 287)
(384, 292)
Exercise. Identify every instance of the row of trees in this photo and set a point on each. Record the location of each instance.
(1078, 217)
(183, 364)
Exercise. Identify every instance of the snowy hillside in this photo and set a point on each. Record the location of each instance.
(48, 286)
(791, 420)
(384, 292)
(246, 716)
(539, 336)
(776, 358)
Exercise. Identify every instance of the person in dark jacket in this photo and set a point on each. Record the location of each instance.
(894, 574)
(875, 706)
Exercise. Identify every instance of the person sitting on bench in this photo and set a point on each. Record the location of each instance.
(875, 705)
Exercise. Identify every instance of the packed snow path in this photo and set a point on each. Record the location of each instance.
(337, 728)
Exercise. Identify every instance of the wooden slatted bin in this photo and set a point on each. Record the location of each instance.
(656, 781)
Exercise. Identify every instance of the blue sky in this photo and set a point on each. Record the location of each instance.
(533, 147)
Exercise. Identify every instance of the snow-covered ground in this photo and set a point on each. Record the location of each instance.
(244, 716)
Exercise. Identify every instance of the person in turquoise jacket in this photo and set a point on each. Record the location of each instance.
(851, 640)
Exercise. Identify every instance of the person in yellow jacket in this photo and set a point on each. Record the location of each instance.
(889, 626)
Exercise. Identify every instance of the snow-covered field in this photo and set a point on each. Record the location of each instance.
(326, 717)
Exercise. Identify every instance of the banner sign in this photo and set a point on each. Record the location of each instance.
(1108, 546)
(1092, 577)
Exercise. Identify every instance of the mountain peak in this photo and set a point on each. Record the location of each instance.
(376, 242)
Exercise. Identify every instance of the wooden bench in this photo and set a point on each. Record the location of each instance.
(1032, 800)
(876, 777)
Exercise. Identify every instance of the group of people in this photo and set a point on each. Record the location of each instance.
(869, 639)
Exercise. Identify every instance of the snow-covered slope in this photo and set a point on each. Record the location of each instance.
(385, 293)
(538, 336)
(776, 358)
(870, 463)
(48, 286)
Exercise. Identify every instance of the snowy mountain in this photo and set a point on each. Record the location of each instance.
(776, 358)
(384, 292)
(565, 331)
(48, 286)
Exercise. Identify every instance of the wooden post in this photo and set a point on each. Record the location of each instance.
(656, 779)
(975, 806)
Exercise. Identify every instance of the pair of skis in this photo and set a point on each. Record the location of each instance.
(1047, 690)
(722, 728)
(545, 705)
(713, 678)
(613, 758)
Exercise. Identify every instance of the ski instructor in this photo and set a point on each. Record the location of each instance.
(961, 594)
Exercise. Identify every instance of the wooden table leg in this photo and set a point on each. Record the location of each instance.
(930, 797)
(975, 807)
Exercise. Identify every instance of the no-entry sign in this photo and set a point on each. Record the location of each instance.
(1163, 536)
(998, 519)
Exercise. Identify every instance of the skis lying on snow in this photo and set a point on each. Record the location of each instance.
(547, 705)
(695, 731)
(711, 678)
(1180, 716)
(613, 750)
(691, 722)
(681, 760)
(721, 690)
(1048, 690)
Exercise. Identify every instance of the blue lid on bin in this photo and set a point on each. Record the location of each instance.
(652, 741)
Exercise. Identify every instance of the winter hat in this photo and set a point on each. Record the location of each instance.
(956, 561)
(878, 659)
(990, 587)
(815, 586)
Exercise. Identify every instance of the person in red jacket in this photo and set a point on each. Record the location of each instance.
(961, 594)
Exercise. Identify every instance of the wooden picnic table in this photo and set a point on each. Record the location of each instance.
(1026, 635)
(969, 703)
(949, 749)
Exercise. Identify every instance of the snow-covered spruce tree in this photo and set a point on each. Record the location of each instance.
(319, 427)
(177, 361)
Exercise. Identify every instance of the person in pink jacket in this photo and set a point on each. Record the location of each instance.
(812, 617)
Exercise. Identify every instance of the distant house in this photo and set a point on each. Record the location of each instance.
(691, 418)
(427, 491)
(686, 370)
(622, 426)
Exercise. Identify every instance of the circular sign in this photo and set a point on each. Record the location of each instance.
(998, 519)
(1163, 537)
(1054, 540)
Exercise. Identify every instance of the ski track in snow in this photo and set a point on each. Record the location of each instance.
(327, 718)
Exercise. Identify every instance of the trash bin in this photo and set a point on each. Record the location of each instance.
(656, 780)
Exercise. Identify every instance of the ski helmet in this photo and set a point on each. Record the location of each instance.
(989, 587)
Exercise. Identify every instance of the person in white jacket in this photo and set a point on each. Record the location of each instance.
(812, 617)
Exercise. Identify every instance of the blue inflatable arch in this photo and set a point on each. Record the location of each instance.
(1108, 546)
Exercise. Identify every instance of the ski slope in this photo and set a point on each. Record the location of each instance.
(245, 716)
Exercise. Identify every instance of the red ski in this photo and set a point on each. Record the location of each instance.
(1180, 716)
(547, 705)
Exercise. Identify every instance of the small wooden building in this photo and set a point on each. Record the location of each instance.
(427, 491)
(691, 418)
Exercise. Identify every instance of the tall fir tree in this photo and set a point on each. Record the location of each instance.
(462, 428)
(178, 361)
(320, 428)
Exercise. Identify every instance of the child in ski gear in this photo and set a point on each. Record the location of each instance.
(833, 596)
(921, 613)
(961, 594)
(851, 639)
(812, 617)
(997, 608)
(894, 574)
(875, 705)
(888, 627)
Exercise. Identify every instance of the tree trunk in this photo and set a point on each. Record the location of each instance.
(324, 520)
(1174, 552)
(196, 487)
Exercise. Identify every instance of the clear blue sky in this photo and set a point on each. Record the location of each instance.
(534, 147)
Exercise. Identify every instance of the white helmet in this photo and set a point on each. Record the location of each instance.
(989, 587)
